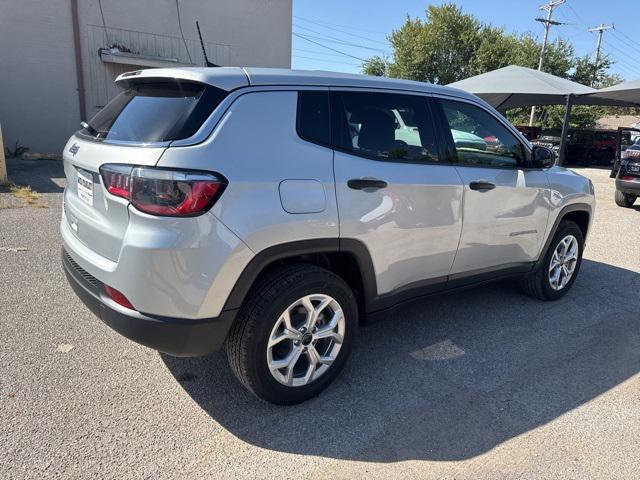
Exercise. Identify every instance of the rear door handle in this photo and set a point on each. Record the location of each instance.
(362, 183)
(481, 185)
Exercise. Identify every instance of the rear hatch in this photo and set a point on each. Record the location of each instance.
(134, 128)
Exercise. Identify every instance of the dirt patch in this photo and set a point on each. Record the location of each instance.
(23, 194)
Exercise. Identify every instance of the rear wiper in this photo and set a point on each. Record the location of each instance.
(92, 131)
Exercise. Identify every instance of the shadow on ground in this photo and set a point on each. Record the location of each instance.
(43, 176)
(448, 378)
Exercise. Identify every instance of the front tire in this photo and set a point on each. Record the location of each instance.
(553, 277)
(624, 199)
(294, 333)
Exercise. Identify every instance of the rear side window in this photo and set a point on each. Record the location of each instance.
(313, 117)
(384, 126)
(155, 112)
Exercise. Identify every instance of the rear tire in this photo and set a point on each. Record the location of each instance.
(269, 332)
(540, 282)
(624, 199)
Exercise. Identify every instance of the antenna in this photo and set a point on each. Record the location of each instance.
(207, 63)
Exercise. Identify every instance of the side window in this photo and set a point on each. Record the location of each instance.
(313, 117)
(479, 138)
(384, 126)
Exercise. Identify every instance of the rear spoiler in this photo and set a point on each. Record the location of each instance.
(225, 78)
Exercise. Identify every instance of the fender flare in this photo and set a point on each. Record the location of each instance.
(573, 207)
(268, 256)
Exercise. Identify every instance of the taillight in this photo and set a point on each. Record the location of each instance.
(627, 177)
(165, 192)
(117, 179)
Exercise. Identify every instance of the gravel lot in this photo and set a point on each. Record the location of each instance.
(485, 384)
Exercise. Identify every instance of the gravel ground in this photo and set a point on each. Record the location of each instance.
(485, 384)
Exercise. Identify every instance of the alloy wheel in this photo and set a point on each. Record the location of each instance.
(305, 340)
(563, 262)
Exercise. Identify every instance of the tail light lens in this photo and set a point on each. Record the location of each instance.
(627, 177)
(159, 191)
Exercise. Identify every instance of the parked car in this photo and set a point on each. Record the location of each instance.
(628, 176)
(584, 147)
(271, 212)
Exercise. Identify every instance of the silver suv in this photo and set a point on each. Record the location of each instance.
(271, 212)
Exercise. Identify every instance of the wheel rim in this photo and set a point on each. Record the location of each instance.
(563, 262)
(306, 340)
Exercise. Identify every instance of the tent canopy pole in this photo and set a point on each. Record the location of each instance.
(565, 129)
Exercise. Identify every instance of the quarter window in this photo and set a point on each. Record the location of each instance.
(479, 138)
(383, 126)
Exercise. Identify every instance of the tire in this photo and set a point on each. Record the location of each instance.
(538, 283)
(624, 199)
(261, 318)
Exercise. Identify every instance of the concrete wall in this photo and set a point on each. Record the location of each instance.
(38, 98)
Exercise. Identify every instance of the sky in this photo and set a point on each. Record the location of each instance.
(336, 34)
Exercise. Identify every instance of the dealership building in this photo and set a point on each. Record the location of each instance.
(60, 57)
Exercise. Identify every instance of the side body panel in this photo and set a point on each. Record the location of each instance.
(411, 228)
(505, 225)
(256, 147)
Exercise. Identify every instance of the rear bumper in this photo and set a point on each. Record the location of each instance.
(631, 187)
(175, 336)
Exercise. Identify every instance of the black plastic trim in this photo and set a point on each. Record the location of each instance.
(574, 207)
(175, 336)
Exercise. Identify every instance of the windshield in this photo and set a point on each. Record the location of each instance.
(156, 112)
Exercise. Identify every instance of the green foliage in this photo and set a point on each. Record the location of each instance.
(376, 66)
(450, 45)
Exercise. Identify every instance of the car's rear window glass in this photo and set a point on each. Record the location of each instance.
(313, 117)
(155, 112)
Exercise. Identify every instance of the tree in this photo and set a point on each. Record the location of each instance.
(376, 66)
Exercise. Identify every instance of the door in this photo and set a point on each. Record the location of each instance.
(506, 204)
(394, 195)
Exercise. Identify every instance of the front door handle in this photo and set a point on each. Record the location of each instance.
(481, 186)
(363, 183)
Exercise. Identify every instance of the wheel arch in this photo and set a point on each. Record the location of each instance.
(579, 213)
(350, 259)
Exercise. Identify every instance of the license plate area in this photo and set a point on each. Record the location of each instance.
(634, 168)
(85, 186)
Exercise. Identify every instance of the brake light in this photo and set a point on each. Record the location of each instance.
(118, 297)
(165, 192)
(117, 179)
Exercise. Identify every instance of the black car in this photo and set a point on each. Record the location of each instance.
(584, 147)
(628, 176)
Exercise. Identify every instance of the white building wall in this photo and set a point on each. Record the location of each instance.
(38, 98)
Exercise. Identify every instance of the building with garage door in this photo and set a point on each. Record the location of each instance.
(60, 57)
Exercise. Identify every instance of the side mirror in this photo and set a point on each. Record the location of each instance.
(542, 157)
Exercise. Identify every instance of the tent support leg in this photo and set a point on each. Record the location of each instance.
(565, 129)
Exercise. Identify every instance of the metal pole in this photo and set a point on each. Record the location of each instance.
(600, 31)
(547, 24)
(78, 56)
(565, 129)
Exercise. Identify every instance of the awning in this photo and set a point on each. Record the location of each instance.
(623, 92)
(515, 86)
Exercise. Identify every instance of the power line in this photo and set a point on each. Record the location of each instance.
(316, 52)
(327, 47)
(342, 31)
(327, 60)
(350, 27)
(342, 41)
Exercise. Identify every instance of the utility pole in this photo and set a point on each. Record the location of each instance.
(547, 24)
(601, 29)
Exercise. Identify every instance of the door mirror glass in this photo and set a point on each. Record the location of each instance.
(542, 157)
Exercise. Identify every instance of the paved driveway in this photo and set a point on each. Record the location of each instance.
(487, 383)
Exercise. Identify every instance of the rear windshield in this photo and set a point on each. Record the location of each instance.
(156, 112)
